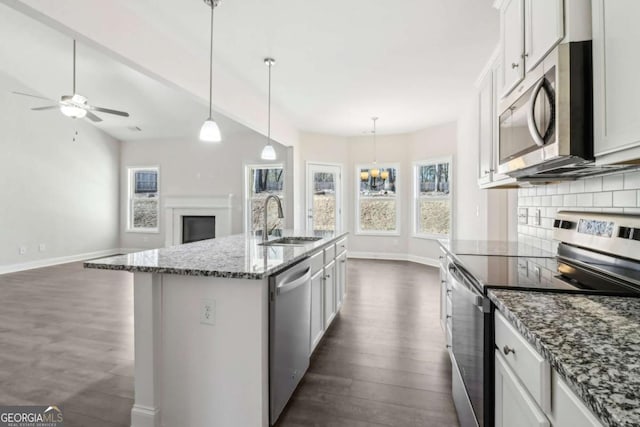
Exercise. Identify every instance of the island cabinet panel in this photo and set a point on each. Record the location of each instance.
(567, 410)
(329, 293)
(317, 262)
(206, 367)
(341, 279)
(317, 308)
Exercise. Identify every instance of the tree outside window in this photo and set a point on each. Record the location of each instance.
(263, 181)
(377, 205)
(432, 202)
(144, 199)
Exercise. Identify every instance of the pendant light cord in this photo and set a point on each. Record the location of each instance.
(74, 66)
(375, 144)
(213, 2)
(269, 108)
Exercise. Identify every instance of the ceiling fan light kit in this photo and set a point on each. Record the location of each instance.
(268, 152)
(210, 132)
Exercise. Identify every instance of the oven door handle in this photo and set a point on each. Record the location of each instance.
(531, 118)
(460, 280)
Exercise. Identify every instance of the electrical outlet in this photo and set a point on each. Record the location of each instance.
(42, 247)
(523, 215)
(22, 250)
(208, 312)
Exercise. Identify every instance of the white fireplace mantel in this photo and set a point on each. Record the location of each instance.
(178, 206)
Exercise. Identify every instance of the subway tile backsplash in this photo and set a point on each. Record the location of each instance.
(618, 193)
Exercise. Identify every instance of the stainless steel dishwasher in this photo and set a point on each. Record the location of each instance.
(289, 333)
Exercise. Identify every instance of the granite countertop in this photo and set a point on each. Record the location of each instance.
(239, 257)
(493, 247)
(593, 341)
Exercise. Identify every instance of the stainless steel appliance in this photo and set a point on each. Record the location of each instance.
(289, 333)
(546, 123)
(597, 253)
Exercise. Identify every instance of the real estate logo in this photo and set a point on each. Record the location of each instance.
(31, 416)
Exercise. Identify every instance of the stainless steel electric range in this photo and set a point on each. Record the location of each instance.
(597, 253)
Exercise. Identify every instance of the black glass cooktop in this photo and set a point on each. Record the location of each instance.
(513, 272)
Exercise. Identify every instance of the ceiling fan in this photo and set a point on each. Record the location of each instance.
(76, 105)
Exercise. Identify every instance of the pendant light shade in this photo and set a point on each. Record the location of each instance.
(210, 132)
(268, 152)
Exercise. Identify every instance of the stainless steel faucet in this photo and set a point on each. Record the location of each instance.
(265, 233)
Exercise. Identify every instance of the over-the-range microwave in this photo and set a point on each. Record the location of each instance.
(546, 122)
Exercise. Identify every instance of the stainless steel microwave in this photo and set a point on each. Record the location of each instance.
(546, 122)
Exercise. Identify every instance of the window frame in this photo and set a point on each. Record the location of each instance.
(248, 167)
(131, 171)
(358, 230)
(416, 198)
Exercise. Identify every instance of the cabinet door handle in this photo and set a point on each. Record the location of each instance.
(514, 65)
(525, 55)
(506, 350)
(448, 291)
(449, 316)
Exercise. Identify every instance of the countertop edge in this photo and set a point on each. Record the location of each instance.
(599, 410)
(214, 273)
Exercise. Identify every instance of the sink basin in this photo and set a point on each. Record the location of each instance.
(291, 241)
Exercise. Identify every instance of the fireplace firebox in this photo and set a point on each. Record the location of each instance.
(196, 228)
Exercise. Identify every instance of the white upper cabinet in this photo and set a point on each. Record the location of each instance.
(544, 28)
(529, 30)
(512, 35)
(616, 87)
(486, 118)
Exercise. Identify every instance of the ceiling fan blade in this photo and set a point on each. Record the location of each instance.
(109, 111)
(93, 117)
(33, 96)
(49, 107)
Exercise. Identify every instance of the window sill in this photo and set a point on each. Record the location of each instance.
(430, 236)
(143, 230)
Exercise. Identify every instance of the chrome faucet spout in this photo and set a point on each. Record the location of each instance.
(265, 231)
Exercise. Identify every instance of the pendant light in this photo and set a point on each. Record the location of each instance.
(210, 132)
(268, 152)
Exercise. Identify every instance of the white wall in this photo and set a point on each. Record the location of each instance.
(190, 167)
(53, 190)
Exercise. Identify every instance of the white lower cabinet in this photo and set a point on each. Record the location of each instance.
(514, 406)
(341, 279)
(317, 309)
(528, 393)
(329, 292)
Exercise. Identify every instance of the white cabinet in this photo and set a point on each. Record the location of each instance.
(512, 37)
(544, 28)
(513, 405)
(341, 279)
(529, 30)
(317, 309)
(616, 86)
(329, 293)
(486, 118)
(527, 391)
(446, 305)
(488, 127)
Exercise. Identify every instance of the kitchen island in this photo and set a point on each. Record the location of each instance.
(202, 327)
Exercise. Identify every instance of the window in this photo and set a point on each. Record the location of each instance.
(377, 204)
(432, 190)
(263, 181)
(144, 200)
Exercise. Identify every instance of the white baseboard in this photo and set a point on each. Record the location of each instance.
(390, 256)
(47, 262)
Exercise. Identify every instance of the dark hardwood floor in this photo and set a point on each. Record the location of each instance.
(66, 337)
(383, 361)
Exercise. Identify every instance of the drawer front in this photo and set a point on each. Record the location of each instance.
(528, 365)
(341, 246)
(317, 262)
(329, 254)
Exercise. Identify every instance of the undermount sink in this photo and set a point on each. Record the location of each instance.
(291, 241)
